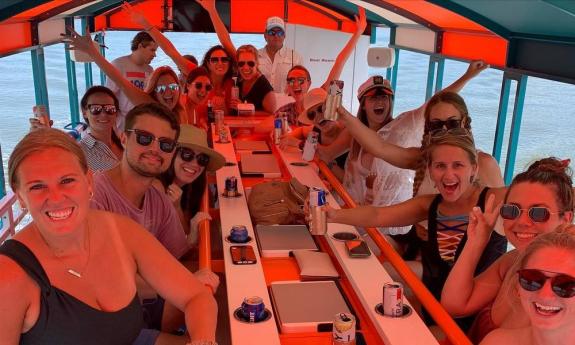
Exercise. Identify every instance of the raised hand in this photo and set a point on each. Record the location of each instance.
(360, 20)
(136, 16)
(476, 67)
(81, 43)
(481, 223)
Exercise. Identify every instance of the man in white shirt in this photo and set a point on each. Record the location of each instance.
(136, 68)
(275, 60)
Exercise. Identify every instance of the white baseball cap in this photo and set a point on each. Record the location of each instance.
(275, 22)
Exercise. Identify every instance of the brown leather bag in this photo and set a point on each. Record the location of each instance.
(278, 202)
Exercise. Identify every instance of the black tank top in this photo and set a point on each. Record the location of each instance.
(65, 320)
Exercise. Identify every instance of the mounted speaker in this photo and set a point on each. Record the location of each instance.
(380, 57)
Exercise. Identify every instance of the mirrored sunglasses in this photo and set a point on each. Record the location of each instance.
(436, 125)
(96, 109)
(163, 88)
(278, 33)
(144, 138)
(198, 85)
(533, 280)
(537, 214)
(188, 155)
(250, 63)
(222, 59)
(300, 81)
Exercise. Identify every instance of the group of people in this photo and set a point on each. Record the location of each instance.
(115, 217)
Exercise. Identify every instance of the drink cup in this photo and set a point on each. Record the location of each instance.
(253, 308)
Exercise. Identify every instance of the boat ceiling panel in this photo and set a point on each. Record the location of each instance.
(420, 39)
(393, 17)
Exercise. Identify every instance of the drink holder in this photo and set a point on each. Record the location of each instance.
(242, 318)
(407, 310)
(229, 239)
(344, 236)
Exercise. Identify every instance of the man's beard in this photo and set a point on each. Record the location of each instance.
(142, 171)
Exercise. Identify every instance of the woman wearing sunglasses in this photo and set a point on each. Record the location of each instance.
(69, 277)
(194, 98)
(536, 202)
(100, 143)
(452, 163)
(544, 284)
(185, 180)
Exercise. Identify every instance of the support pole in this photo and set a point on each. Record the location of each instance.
(515, 128)
(87, 65)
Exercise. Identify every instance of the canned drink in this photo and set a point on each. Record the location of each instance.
(253, 308)
(278, 123)
(318, 222)
(310, 146)
(239, 233)
(333, 100)
(231, 186)
(41, 113)
(223, 135)
(343, 329)
(393, 299)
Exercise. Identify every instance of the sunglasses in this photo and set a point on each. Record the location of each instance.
(163, 88)
(436, 125)
(533, 280)
(198, 85)
(188, 155)
(300, 80)
(311, 114)
(222, 59)
(377, 92)
(250, 63)
(278, 33)
(145, 139)
(96, 109)
(537, 214)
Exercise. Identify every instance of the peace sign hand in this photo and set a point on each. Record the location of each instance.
(481, 223)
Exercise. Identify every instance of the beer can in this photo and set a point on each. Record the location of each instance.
(239, 233)
(253, 308)
(278, 123)
(318, 222)
(333, 100)
(231, 186)
(309, 146)
(393, 299)
(343, 329)
(286, 126)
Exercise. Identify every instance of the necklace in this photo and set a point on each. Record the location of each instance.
(71, 271)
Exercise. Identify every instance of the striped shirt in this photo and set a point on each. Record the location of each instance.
(100, 157)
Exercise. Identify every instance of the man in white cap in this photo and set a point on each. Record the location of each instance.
(275, 60)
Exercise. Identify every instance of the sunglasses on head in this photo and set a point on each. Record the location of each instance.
(222, 59)
(188, 155)
(537, 214)
(146, 138)
(96, 109)
(533, 280)
(198, 85)
(436, 125)
(278, 33)
(163, 88)
(300, 80)
(250, 63)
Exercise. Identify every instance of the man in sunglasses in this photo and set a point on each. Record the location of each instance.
(275, 60)
(134, 67)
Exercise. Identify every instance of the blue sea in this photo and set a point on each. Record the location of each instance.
(548, 117)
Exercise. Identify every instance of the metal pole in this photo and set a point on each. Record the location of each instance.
(2, 179)
(39, 75)
(87, 65)
(515, 127)
(430, 78)
(439, 77)
(501, 118)
(100, 39)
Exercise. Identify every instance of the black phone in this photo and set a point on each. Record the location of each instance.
(357, 249)
(243, 255)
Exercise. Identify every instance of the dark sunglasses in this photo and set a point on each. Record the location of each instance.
(188, 155)
(533, 280)
(163, 88)
(250, 63)
(96, 109)
(311, 114)
(278, 33)
(222, 59)
(300, 80)
(436, 125)
(199, 85)
(537, 214)
(145, 139)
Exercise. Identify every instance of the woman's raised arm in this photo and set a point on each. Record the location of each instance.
(221, 30)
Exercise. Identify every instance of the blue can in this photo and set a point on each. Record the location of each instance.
(317, 197)
(278, 123)
(239, 234)
(253, 309)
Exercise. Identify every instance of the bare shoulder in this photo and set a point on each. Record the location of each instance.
(489, 170)
(16, 287)
(506, 336)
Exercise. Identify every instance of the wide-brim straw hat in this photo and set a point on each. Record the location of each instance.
(311, 99)
(197, 139)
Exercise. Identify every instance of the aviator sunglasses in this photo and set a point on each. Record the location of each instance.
(145, 139)
(222, 59)
(163, 88)
(188, 155)
(447, 124)
(537, 214)
(250, 63)
(300, 81)
(533, 280)
(278, 33)
(96, 109)
(198, 85)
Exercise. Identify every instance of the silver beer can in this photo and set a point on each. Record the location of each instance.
(393, 299)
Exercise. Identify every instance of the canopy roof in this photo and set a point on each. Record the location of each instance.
(536, 37)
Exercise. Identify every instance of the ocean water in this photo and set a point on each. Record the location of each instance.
(548, 116)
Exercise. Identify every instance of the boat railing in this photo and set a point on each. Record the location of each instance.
(11, 214)
(452, 331)
(204, 242)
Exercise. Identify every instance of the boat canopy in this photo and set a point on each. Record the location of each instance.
(534, 37)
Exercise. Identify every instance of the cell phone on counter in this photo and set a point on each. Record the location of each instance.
(243, 255)
(357, 249)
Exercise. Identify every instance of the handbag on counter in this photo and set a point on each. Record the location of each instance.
(278, 202)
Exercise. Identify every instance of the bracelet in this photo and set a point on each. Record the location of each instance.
(203, 342)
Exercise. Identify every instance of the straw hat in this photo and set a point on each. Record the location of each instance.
(311, 99)
(197, 139)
